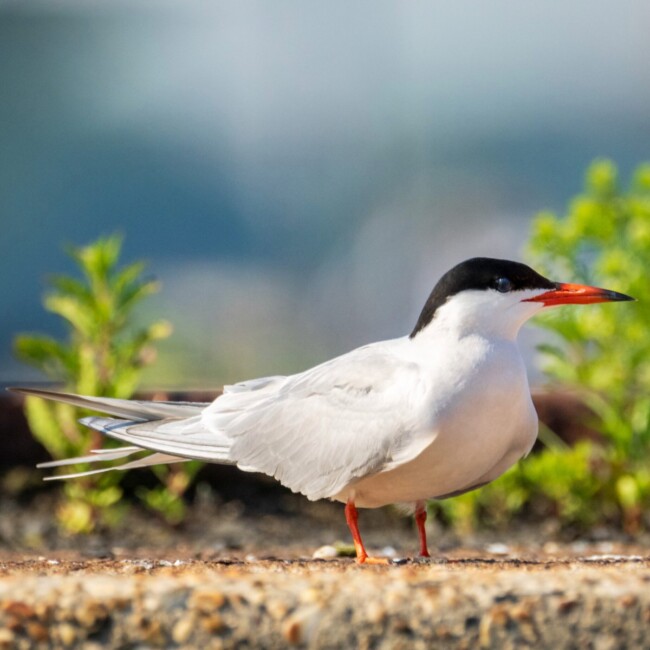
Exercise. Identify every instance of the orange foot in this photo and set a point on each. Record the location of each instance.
(382, 561)
(352, 518)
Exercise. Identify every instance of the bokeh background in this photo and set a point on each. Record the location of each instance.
(298, 173)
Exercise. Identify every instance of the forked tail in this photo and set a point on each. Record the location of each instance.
(173, 431)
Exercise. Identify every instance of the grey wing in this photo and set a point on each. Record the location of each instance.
(318, 431)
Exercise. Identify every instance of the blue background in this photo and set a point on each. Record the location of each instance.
(298, 174)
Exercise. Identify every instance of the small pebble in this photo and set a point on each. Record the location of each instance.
(375, 612)
(310, 595)
(291, 631)
(182, 631)
(277, 609)
(326, 552)
(67, 634)
(212, 623)
(19, 609)
(88, 613)
(207, 601)
(37, 632)
(628, 600)
(7, 638)
(497, 549)
(605, 547)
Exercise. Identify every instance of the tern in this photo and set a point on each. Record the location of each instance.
(431, 415)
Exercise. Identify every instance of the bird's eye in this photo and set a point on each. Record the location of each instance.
(503, 285)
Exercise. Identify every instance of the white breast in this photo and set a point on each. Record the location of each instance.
(479, 422)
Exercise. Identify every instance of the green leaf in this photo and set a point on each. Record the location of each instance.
(46, 353)
(66, 285)
(73, 311)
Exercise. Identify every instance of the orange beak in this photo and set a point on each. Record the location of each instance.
(577, 294)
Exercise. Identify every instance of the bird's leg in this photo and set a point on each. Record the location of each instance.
(352, 517)
(420, 519)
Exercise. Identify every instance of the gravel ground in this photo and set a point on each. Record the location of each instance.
(557, 600)
(242, 574)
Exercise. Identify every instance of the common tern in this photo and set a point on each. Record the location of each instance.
(441, 411)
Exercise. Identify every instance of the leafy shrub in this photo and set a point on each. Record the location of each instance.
(103, 355)
(600, 353)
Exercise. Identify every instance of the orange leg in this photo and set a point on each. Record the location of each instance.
(420, 519)
(352, 517)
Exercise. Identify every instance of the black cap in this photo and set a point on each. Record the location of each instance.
(480, 273)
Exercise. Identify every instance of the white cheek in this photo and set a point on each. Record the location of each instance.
(522, 307)
(527, 294)
(530, 308)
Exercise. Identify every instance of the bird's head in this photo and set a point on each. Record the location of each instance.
(486, 295)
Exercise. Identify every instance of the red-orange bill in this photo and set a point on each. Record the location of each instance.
(577, 294)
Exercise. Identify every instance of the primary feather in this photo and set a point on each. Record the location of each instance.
(121, 408)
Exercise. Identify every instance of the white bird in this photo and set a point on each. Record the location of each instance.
(430, 415)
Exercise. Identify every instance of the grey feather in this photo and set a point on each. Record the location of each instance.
(147, 461)
(124, 408)
(318, 431)
(180, 437)
(95, 456)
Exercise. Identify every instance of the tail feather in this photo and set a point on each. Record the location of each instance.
(141, 410)
(109, 451)
(184, 438)
(173, 431)
(96, 455)
(147, 461)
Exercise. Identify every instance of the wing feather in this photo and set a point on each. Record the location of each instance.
(318, 431)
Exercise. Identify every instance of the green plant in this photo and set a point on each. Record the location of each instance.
(604, 353)
(103, 355)
(167, 498)
(599, 353)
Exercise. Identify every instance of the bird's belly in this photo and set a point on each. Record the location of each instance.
(475, 449)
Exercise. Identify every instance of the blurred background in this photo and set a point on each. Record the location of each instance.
(298, 174)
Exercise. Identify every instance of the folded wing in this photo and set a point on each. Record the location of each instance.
(316, 432)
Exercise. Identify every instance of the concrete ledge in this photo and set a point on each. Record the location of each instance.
(597, 602)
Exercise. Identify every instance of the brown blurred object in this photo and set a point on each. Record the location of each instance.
(566, 415)
(17, 445)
